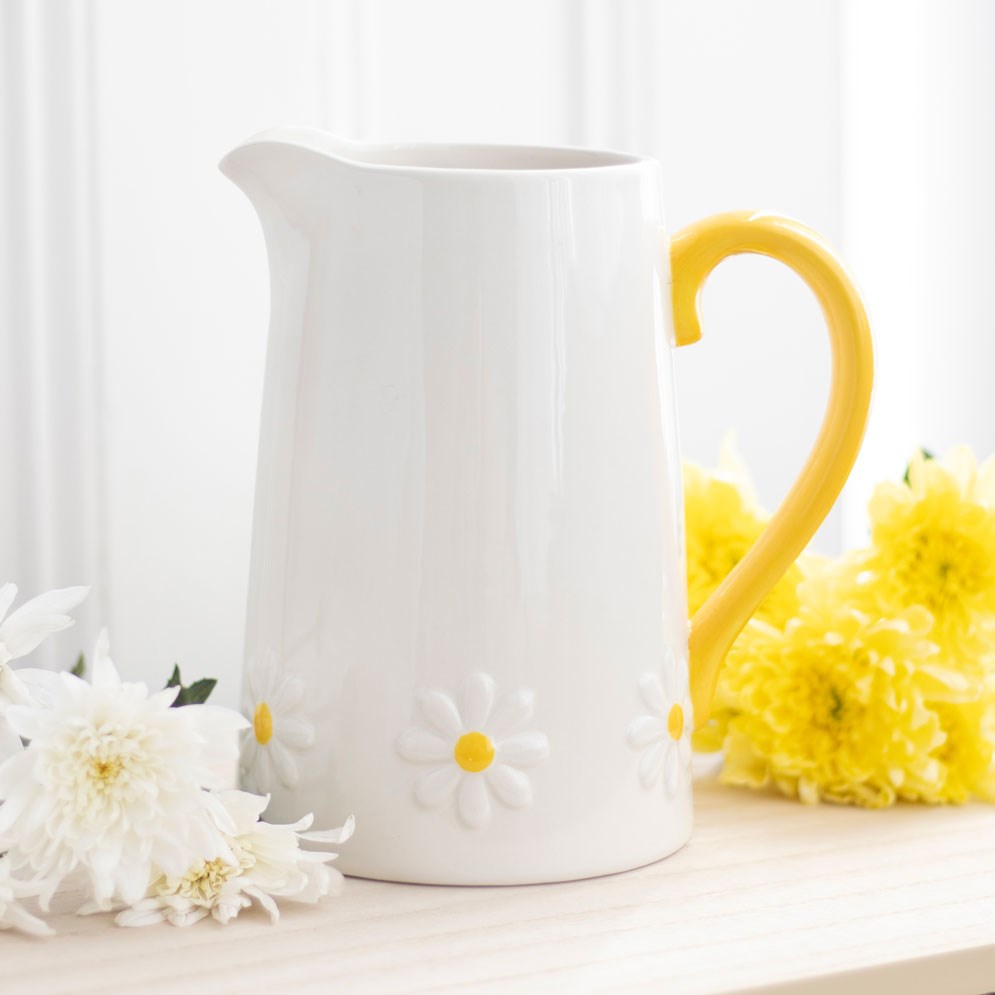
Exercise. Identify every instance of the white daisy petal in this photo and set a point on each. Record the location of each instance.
(437, 785)
(644, 730)
(284, 764)
(441, 713)
(651, 688)
(511, 711)
(672, 771)
(512, 786)
(684, 751)
(294, 733)
(257, 767)
(288, 695)
(420, 746)
(650, 764)
(473, 804)
(523, 749)
(477, 700)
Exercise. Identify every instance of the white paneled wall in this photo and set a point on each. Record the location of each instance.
(135, 297)
(52, 511)
(919, 215)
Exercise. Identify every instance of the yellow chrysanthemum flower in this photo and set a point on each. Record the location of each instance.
(933, 544)
(722, 521)
(871, 677)
(834, 706)
(968, 751)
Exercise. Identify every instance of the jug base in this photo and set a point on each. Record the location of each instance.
(463, 879)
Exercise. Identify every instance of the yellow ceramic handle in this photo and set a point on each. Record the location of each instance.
(694, 253)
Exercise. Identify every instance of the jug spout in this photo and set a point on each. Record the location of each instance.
(285, 168)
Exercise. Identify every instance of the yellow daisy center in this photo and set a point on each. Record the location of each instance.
(262, 723)
(474, 752)
(675, 722)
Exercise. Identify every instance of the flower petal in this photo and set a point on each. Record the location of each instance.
(512, 711)
(284, 764)
(512, 787)
(645, 729)
(440, 711)
(339, 835)
(147, 912)
(684, 751)
(477, 700)
(104, 672)
(651, 688)
(257, 767)
(421, 747)
(524, 749)
(651, 763)
(38, 618)
(437, 785)
(7, 594)
(473, 804)
(187, 917)
(671, 772)
(294, 733)
(10, 742)
(288, 695)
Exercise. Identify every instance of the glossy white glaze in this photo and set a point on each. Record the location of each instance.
(468, 465)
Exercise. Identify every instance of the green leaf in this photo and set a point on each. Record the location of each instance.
(199, 691)
(926, 454)
(196, 694)
(79, 667)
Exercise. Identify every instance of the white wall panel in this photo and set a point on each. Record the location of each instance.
(185, 308)
(52, 501)
(919, 211)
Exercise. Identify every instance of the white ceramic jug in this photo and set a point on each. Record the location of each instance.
(467, 613)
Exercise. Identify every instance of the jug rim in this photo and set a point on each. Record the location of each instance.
(469, 158)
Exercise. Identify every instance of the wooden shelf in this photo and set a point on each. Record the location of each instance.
(768, 896)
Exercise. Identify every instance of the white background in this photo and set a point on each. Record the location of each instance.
(133, 296)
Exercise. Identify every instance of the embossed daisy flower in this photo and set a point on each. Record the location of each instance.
(664, 734)
(280, 730)
(475, 749)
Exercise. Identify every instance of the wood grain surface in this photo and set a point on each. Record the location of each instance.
(769, 896)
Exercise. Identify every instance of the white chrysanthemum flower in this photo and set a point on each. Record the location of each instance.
(474, 749)
(111, 783)
(664, 735)
(13, 915)
(20, 633)
(268, 863)
(280, 731)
